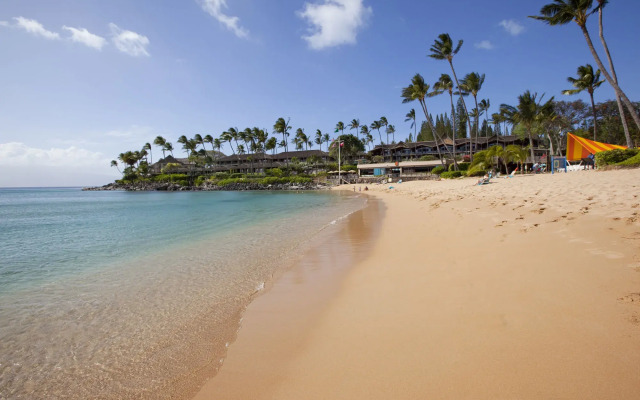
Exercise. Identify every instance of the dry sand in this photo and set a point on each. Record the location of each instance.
(526, 288)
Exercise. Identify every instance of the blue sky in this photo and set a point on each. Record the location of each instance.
(84, 80)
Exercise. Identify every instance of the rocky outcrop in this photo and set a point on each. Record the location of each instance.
(173, 187)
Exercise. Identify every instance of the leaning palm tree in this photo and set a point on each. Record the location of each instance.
(623, 118)
(391, 130)
(529, 110)
(147, 147)
(226, 137)
(364, 130)
(355, 124)
(589, 81)
(160, 142)
(168, 147)
(411, 116)
(442, 49)
(472, 83)
(518, 154)
(199, 140)
(561, 12)
(418, 91)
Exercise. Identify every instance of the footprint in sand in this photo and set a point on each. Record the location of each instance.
(630, 298)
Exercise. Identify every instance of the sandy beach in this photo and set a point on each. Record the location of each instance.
(525, 288)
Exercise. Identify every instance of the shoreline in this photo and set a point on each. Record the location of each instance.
(524, 288)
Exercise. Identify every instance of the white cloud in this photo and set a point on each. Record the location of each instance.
(19, 154)
(4, 23)
(485, 45)
(134, 132)
(34, 27)
(129, 42)
(85, 37)
(334, 22)
(214, 8)
(514, 28)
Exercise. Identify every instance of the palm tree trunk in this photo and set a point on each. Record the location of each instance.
(464, 104)
(435, 134)
(475, 98)
(533, 157)
(623, 118)
(595, 122)
(613, 83)
(453, 119)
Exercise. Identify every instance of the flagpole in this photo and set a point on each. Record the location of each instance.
(339, 169)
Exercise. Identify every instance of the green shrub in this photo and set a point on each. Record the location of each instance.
(348, 168)
(220, 175)
(200, 180)
(438, 170)
(451, 174)
(462, 166)
(478, 170)
(427, 158)
(237, 175)
(614, 156)
(630, 162)
(170, 177)
(274, 172)
(377, 159)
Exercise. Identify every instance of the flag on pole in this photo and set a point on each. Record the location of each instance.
(336, 131)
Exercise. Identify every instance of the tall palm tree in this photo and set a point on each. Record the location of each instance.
(147, 147)
(623, 118)
(446, 84)
(418, 91)
(226, 137)
(340, 127)
(114, 163)
(529, 110)
(377, 125)
(589, 81)
(318, 139)
(561, 12)
(497, 118)
(199, 140)
(183, 141)
(209, 139)
(326, 139)
(383, 124)
(411, 116)
(355, 124)
(168, 147)
(160, 142)
(271, 144)
(442, 49)
(282, 127)
(391, 130)
(472, 83)
(484, 105)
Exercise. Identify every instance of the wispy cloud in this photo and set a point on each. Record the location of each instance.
(83, 36)
(4, 23)
(485, 45)
(334, 22)
(128, 42)
(19, 154)
(35, 28)
(215, 7)
(133, 132)
(513, 27)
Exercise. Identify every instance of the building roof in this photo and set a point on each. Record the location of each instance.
(401, 164)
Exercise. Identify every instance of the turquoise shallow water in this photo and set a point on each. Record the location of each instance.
(128, 295)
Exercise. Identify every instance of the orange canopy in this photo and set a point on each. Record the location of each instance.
(579, 148)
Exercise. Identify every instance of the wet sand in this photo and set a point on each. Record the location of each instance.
(525, 288)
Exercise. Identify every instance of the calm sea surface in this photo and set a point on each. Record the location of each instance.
(133, 295)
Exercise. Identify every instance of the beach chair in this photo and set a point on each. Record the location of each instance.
(512, 174)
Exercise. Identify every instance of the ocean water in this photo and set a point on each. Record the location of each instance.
(115, 295)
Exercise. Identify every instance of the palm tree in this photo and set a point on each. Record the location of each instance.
(472, 83)
(271, 144)
(383, 124)
(411, 116)
(442, 49)
(302, 139)
(326, 139)
(183, 140)
(501, 154)
(340, 127)
(318, 139)
(589, 81)
(199, 140)
(518, 154)
(484, 105)
(446, 84)
(282, 127)
(226, 137)
(355, 124)
(623, 118)
(168, 147)
(418, 91)
(209, 139)
(369, 139)
(391, 130)
(160, 142)
(528, 111)
(114, 163)
(497, 118)
(561, 12)
(377, 125)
